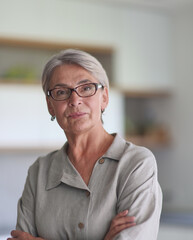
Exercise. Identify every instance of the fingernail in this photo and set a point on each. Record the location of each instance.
(125, 212)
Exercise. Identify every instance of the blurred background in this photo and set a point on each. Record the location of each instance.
(146, 47)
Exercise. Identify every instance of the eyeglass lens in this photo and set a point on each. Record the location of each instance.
(84, 90)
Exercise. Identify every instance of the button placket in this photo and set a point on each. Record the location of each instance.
(82, 223)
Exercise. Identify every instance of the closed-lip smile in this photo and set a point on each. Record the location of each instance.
(76, 114)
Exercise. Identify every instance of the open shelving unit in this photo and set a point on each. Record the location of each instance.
(142, 108)
(25, 58)
(146, 118)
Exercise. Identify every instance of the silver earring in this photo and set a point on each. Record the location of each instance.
(53, 118)
(102, 111)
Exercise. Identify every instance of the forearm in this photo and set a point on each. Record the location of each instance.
(120, 222)
(147, 217)
(20, 235)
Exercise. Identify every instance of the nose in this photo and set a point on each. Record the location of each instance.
(74, 99)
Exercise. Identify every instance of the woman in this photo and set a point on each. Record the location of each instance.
(91, 188)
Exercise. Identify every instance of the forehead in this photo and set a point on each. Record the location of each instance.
(70, 75)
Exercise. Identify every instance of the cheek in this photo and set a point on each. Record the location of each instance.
(95, 106)
(59, 109)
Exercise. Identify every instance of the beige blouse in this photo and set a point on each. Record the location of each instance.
(56, 204)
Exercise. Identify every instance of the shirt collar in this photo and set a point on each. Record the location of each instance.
(62, 170)
(116, 149)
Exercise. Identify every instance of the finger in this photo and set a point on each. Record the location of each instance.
(121, 214)
(117, 229)
(21, 235)
(122, 220)
(15, 233)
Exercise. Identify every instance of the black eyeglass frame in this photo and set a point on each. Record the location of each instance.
(97, 86)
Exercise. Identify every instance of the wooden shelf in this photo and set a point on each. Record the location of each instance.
(53, 45)
(147, 94)
(150, 140)
(143, 93)
(19, 81)
(23, 150)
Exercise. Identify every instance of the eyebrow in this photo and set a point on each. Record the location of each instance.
(79, 83)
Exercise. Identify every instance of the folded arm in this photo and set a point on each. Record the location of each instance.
(140, 193)
(20, 235)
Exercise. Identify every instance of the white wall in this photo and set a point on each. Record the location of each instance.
(14, 166)
(25, 121)
(178, 171)
(141, 38)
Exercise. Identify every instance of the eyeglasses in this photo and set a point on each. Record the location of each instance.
(85, 90)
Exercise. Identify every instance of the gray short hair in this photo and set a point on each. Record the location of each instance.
(78, 57)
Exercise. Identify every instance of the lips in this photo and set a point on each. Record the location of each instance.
(76, 114)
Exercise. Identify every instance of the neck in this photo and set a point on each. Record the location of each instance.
(82, 147)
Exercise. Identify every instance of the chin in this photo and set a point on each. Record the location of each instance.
(77, 128)
(81, 129)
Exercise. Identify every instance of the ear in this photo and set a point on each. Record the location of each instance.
(105, 98)
(50, 106)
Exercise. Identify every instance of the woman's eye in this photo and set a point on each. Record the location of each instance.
(61, 92)
(87, 88)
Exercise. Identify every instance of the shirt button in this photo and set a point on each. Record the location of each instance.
(87, 193)
(102, 160)
(81, 225)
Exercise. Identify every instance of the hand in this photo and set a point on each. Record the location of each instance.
(120, 222)
(16, 234)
